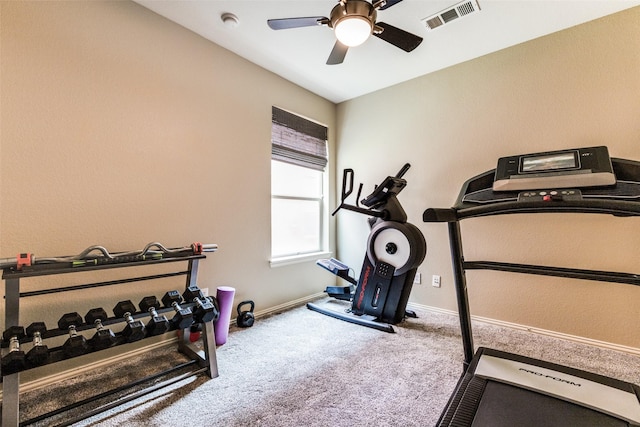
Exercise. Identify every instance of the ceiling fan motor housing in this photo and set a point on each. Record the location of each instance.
(353, 12)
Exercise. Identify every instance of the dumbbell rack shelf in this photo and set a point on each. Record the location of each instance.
(205, 359)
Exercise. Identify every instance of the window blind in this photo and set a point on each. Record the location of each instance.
(297, 140)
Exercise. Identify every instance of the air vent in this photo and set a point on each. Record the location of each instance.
(452, 13)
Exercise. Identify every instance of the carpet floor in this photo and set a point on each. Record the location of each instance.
(302, 368)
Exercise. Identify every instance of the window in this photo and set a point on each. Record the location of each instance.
(298, 161)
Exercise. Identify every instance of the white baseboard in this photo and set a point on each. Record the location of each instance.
(288, 305)
(568, 337)
(108, 361)
(90, 367)
(67, 374)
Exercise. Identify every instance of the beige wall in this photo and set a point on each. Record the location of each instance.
(120, 128)
(579, 87)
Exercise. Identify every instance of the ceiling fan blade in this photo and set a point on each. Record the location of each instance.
(337, 54)
(397, 37)
(388, 4)
(285, 23)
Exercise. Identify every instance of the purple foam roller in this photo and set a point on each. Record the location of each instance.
(225, 295)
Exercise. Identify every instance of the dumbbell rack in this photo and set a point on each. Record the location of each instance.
(205, 359)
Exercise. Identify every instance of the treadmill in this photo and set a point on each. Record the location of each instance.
(500, 389)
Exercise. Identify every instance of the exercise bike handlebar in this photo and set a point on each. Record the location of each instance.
(375, 201)
(347, 177)
(404, 170)
(347, 189)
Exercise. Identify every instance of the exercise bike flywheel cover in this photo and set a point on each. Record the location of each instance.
(401, 245)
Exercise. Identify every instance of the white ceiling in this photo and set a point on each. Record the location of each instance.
(299, 55)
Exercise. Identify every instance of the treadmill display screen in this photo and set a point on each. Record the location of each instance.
(550, 162)
(572, 168)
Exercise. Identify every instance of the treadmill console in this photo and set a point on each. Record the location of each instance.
(579, 167)
(565, 194)
(477, 197)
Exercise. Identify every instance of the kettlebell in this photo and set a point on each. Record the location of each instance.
(245, 318)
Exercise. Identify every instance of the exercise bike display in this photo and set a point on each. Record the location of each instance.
(395, 249)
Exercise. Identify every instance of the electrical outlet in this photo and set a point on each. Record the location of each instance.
(205, 291)
(417, 279)
(435, 281)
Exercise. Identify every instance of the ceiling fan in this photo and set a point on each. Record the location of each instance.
(353, 21)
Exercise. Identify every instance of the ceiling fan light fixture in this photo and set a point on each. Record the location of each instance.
(353, 21)
(353, 30)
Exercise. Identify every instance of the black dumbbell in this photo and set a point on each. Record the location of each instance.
(157, 324)
(104, 337)
(15, 360)
(134, 331)
(206, 308)
(39, 353)
(184, 316)
(76, 344)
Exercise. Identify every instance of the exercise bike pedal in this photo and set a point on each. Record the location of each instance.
(343, 293)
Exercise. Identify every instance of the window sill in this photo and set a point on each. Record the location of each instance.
(296, 259)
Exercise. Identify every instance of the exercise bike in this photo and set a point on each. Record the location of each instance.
(395, 249)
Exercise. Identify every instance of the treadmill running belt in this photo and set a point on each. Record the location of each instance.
(502, 389)
(503, 405)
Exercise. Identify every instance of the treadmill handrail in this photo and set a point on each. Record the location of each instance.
(625, 170)
(543, 270)
(628, 170)
(609, 207)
